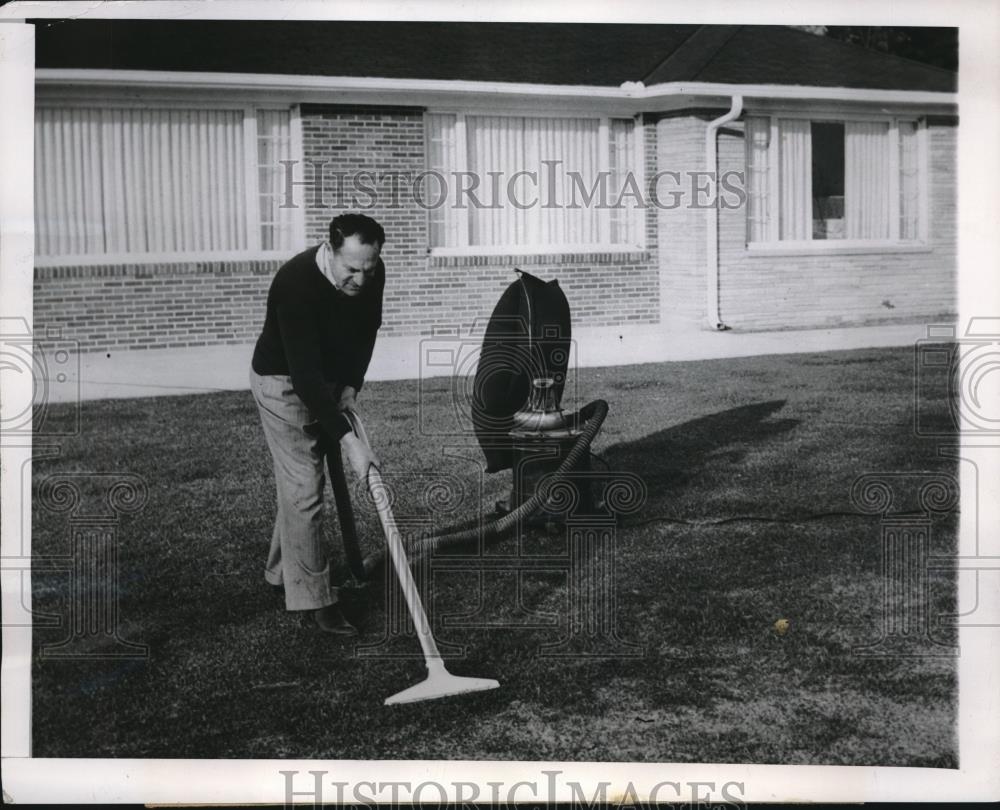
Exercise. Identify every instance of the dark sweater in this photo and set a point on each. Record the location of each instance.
(320, 337)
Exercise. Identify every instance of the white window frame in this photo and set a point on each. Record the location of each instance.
(775, 246)
(604, 223)
(253, 252)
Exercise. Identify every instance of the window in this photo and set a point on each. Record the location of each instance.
(513, 183)
(827, 180)
(132, 182)
(855, 181)
(274, 144)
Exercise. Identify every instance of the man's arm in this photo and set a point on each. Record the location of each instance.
(360, 360)
(361, 357)
(301, 339)
(300, 336)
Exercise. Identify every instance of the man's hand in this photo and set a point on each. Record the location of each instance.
(348, 398)
(359, 454)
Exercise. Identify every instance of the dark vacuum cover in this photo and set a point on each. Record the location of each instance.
(528, 336)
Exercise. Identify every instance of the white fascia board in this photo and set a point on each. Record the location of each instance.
(630, 96)
(292, 83)
(794, 92)
(58, 85)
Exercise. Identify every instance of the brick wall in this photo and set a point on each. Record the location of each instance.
(154, 306)
(651, 158)
(183, 304)
(776, 292)
(199, 303)
(680, 150)
(370, 144)
(426, 292)
(603, 289)
(765, 292)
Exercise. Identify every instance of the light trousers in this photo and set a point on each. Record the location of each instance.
(298, 557)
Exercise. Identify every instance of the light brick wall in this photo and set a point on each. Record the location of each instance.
(603, 289)
(650, 167)
(424, 292)
(766, 292)
(778, 292)
(201, 303)
(370, 143)
(153, 306)
(680, 151)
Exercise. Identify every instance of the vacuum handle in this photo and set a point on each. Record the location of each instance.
(397, 553)
(356, 426)
(358, 429)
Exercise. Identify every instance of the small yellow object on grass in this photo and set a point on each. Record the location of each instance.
(781, 626)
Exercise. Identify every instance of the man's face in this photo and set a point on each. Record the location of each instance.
(354, 264)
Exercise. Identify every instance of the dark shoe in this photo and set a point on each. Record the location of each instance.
(354, 602)
(329, 619)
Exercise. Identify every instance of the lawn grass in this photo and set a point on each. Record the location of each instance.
(748, 519)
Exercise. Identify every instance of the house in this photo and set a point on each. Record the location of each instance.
(671, 177)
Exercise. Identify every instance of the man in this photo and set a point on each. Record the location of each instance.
(324, 309)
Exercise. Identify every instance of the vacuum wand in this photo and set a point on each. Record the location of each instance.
(439, 682)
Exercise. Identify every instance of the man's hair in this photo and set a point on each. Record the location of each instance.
(365, 228)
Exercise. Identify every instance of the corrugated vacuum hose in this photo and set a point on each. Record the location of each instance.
(591, 415)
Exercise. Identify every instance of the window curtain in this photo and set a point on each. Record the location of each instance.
(622, 164)
(436, 187)
(795, 179)
(536, 209)
(273, 146)
(758, 142)
(558, 203)
(866, 180)
(498, 144)
(117, 181)
(909, 181)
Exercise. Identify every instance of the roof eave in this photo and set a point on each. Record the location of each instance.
(791, 92)
(427, 92)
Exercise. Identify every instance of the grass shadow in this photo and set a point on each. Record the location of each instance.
(670, 458)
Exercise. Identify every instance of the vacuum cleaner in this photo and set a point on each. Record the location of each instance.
(519, 424)
(439, 681)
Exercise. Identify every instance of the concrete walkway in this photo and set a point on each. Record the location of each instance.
(161, 372)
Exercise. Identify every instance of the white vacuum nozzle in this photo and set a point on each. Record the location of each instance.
(440, 683)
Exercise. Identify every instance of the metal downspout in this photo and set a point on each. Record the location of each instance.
(712, 235)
